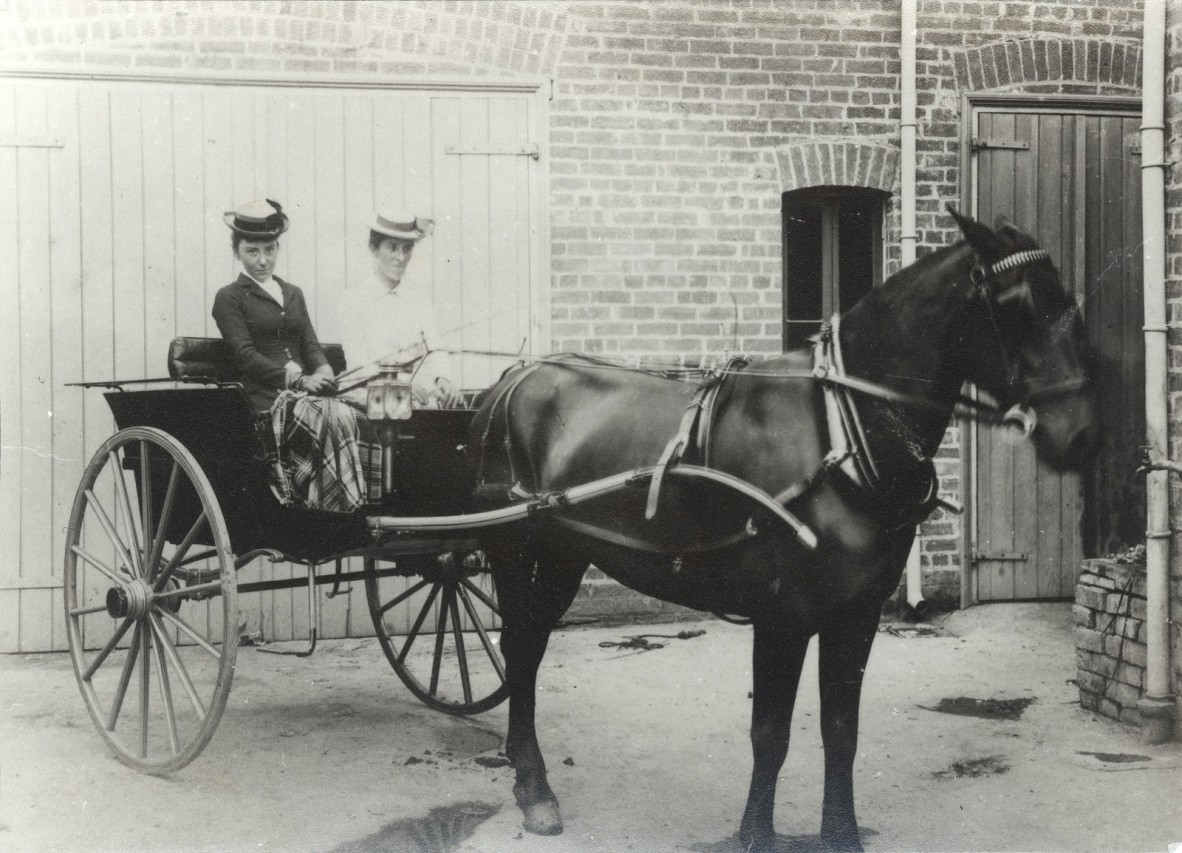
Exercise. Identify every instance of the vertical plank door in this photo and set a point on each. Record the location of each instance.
(1072, 181)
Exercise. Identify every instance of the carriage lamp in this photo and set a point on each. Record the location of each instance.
(388, 396)
(388, 401)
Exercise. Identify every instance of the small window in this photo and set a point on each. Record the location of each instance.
(832, 254)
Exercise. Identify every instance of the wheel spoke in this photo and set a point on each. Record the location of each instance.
(484, 639)
(107, 649)
(131, 519)
(440, 634)
(109, 528)
(461, 652)
(398, 599)
(486, 599)
(414, 630)
(178, 667)
(145, 684)
(146, 506)
(86, 611)
(109, 573)
(175, 561)
(165, 517)
(165, 687)
(133, 653)
(182, 625)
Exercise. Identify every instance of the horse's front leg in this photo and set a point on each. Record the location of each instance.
(844, 650)
(777, 658)
(524, 645)
(530, 607)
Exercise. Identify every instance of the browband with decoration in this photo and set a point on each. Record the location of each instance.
(1018, 259)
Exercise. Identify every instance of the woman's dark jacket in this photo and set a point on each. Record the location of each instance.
(264, 336)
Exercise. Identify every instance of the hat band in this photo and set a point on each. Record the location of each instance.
(258, 226)
(413, 225)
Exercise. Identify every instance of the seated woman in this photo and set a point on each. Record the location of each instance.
(265, 321)
(389, 314)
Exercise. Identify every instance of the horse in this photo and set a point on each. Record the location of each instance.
(841, 439)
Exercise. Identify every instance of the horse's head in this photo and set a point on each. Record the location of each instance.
(1035, 350)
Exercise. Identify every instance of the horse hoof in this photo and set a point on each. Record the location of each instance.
(842, 843)
(757, 842)
(543, 818)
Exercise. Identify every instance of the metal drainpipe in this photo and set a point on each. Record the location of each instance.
(1156, 706)
(907, 237)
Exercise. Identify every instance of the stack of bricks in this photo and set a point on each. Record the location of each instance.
(1110, 638)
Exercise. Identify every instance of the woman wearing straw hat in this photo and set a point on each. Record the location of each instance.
(284, 370)
(390, 315)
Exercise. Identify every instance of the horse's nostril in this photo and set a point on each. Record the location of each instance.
(1082, 443)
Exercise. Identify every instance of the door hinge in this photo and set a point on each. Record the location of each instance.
(519, 151)
(1010, 556)
(1014, 144)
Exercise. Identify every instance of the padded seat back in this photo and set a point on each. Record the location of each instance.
(211, 358)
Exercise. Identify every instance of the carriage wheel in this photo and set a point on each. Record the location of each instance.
(441, 633)
(150, 599)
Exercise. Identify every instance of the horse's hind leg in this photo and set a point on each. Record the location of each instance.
(530, 607)
(844, 650)
(777, 658)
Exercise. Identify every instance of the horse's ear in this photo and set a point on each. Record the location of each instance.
(1020, 238)
(986, 243)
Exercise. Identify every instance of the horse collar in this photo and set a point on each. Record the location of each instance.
(850, 452)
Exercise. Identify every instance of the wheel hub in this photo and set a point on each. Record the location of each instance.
(134, 600)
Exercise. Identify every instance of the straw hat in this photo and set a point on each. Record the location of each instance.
(400, 224)
(261, 220)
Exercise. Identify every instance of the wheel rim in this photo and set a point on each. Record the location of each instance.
(441, 634)
(150, 600)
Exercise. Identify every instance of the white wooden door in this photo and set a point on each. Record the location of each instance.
(112, 243)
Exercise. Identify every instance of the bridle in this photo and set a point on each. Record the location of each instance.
(983, 276)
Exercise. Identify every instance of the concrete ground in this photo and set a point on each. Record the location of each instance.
(647, 751)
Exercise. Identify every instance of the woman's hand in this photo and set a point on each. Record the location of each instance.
(318, 383)
(446, 395)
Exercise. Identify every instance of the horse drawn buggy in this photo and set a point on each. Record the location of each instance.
(784, 491)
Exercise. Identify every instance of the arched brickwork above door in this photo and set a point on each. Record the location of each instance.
(1021, 62)
(837, 162)
(259, 36)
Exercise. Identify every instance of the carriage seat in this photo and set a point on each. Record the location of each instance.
(211, 358)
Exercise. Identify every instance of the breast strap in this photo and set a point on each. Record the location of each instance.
(849, 451)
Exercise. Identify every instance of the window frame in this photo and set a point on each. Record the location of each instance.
(829, 199)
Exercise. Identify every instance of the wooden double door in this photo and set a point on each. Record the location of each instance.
(112, 243)
(1073, 180)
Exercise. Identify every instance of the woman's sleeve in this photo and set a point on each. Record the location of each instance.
(311, 352)
(228, 313)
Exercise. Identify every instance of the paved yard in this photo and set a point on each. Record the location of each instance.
(647, 751)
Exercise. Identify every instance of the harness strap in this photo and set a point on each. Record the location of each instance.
(699, 414)
(504, 396)
(637, 544)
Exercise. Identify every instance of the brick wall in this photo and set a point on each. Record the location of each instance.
(1110, 649)
(674, 127)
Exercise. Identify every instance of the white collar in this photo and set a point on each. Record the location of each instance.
(382, 288)
(272, 282)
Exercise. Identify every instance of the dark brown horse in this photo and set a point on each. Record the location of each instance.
(855, 468)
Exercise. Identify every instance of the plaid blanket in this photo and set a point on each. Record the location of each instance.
(319, 465)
